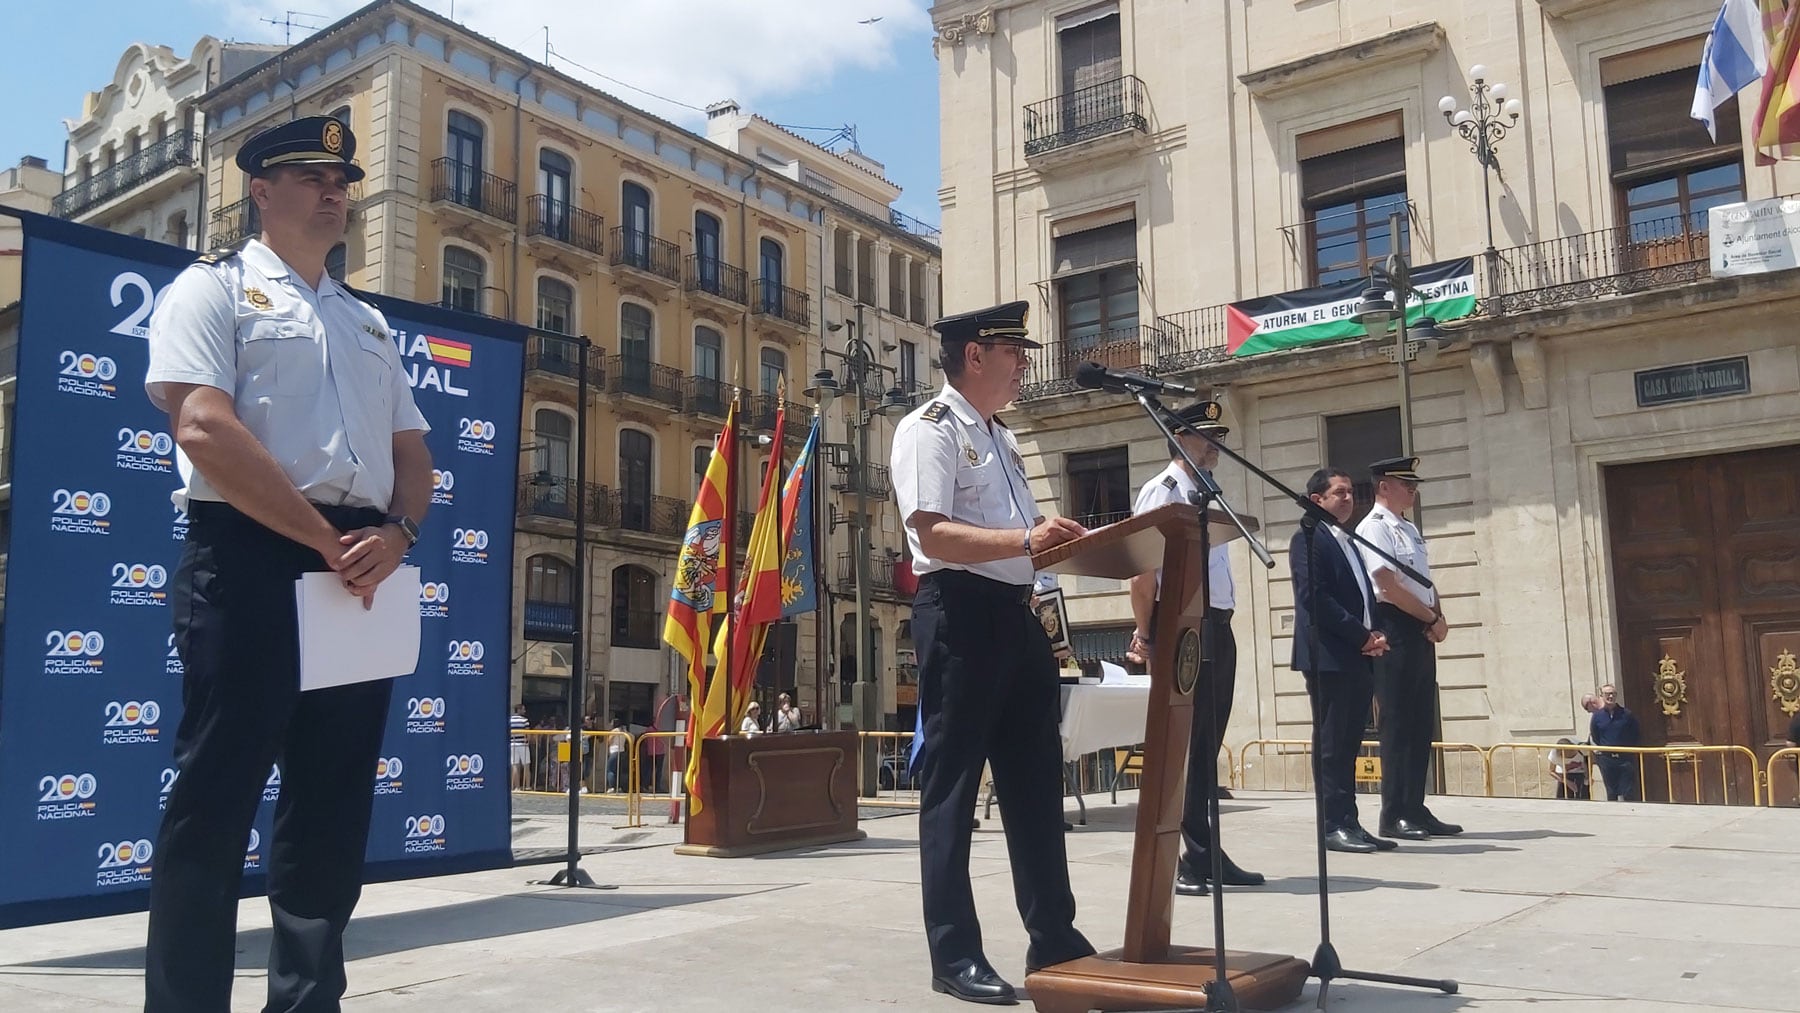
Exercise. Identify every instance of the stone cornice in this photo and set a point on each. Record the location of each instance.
(1403, 46)
(1575, 8)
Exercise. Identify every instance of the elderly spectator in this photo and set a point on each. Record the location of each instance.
(1613, 725)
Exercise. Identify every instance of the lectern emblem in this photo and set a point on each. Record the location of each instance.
(1187, 660)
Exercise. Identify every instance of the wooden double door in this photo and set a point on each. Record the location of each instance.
(1706, 580)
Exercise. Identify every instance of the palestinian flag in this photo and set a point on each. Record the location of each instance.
(1313, 316)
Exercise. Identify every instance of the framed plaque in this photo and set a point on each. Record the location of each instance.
(1055, 616)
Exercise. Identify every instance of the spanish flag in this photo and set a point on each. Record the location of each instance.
(699, 592)
(759, 605)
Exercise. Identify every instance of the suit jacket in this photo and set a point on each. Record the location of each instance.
(1338, 611)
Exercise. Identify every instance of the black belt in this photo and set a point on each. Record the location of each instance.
(1402, 618)
(342, 517)
(964, 582)
(1219, 615)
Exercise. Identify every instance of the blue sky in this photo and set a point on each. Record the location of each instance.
(806, 63)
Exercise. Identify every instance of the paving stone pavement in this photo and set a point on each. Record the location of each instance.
(1542, 904)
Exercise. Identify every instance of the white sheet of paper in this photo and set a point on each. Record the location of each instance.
(1115, 675)
(341, 643)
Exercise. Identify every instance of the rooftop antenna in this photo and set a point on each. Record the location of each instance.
(287, 24)
(847, 132)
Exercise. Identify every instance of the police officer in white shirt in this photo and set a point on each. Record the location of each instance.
(303, 451)
(988, 687)
(1218, 661)
(1410, 615)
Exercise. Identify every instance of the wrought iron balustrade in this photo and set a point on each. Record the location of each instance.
(1109, 107)
(465, 185)
(641, 251)
(566, 223)
(773, 299)
(714, 277)
(177, 149)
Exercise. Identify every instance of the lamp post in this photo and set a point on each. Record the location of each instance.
(1484, 128)
(859, 361)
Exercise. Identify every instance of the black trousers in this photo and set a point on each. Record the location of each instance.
(1340, 702)
(1212, 710)
(235, 629)
(988, 692)
(1620, 772)
(1406, 686)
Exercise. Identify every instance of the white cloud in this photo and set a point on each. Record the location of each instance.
(690, 51)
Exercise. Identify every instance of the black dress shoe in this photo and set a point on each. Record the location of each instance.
(1189, 885)
(1230, 872)
(1347, 841)
(1380, 844)
(1437, 827)
(1224, 793)
(976, 983)
(1405, 829)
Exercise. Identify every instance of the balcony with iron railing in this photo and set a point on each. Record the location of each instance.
(553, 497)
(710, 276)
(548, 495)
(879, 482)
(759, 415)
(881, 573)
(633, 376)
(709, 396)
(1622, 260)
(561, 356)
(174, 151)
(559, 221)
(656, 259)
(1113, 109)
(233, 223)
(1135, 349)
(552, 621)
(1092, 520)
(776, 301)
(912, 226)
(462, 185)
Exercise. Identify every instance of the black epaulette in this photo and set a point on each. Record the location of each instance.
(215, 257)
(936, 411)
(1169, 481)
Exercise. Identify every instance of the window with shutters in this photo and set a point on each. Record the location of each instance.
(1352, 179)
(1097, 295)
(1088, 43)
(1099, 486)
(1667, 172)
(464, 278)
(555, 306)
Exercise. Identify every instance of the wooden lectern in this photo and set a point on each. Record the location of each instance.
(1148, 972)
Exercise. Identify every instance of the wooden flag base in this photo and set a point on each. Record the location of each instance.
(769, 793)
(1107, 981)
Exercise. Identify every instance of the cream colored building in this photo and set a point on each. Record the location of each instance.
(498, 185)
(1133, 166)
(132, 162)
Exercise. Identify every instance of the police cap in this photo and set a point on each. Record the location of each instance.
(311, 140)
(1003, 324)
(1404, 468)
(1202, 416)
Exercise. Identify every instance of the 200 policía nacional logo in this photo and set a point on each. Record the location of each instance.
(389, 771)
(67, 797)
(425, 715)
(139, 584)
(463, 657)
(462, 772)
(146, 450)
(74, 652)
(469, 545)
(434, 599)
(425, 833)
(131, 722)
(124, 863)
(80, 512)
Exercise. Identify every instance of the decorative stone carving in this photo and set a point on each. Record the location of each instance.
(952, 33)
(637, 292)
(710, 199)
(468, 234)
(633, 165)
(462, 94)
(772, 225)
(551, 133)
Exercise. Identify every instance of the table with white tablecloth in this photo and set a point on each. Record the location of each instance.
(1098, 716)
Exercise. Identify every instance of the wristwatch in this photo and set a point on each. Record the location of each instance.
(406, 526)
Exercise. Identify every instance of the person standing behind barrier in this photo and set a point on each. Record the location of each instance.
(1613, 725)
(988, 688)
(1218, 652)
(752, 723)
(615, 756)
(787, 716)
(302, 451)
(519, 749)
(1569, 767)
(1332, 604)
(1412, 617)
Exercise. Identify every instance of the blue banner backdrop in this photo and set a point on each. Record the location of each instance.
(90, 695)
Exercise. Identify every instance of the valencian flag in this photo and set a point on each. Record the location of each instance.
(1777, 123)
(699, 572)
(798, 574)
(759, 605)
(1313, 316)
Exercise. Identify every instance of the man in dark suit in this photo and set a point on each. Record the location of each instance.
(1334, 642)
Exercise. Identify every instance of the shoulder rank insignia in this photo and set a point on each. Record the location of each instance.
(215, 257)
(1168, 481)
(374, 332)
(935, 411)
(257, 299)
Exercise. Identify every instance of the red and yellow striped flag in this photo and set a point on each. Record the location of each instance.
(1777, 124)
(699, 591)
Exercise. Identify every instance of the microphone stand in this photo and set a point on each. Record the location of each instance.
(1326, 965)
(1219, 995)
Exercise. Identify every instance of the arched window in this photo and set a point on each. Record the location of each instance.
(634, 218)
(555, 306)
(549, 486)
(772, 273)
(635, 326)
(707, 251)
(555, 172)
(549, 599)
(774, 367)
(634, 608)
(465, 275)
(341, 114)
(635, 450)
(709, 355)
(462, 153)
(337, 262)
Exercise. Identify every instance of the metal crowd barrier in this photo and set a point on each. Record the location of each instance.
(894, 784)
(1781, 777)
(1286, 765)
(652, 776)
(1687, 773)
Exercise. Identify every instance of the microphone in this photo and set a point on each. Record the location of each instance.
(1094, 376)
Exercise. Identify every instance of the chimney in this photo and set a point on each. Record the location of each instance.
(729, 107)
(33, 162)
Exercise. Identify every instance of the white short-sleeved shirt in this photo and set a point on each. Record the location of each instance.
(1173, 485)
(1402, 541)
(948, 460)
(315, 375)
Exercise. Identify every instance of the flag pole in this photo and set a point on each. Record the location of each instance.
(822, 597)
